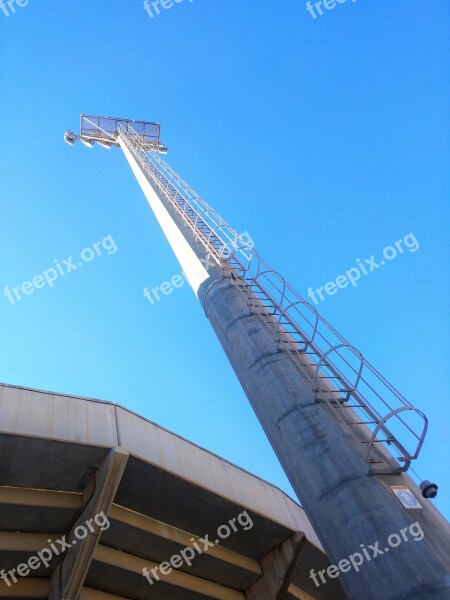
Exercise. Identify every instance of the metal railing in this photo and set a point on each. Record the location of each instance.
(205, 223)
(338, 373)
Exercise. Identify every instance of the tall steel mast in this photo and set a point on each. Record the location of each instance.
(343, 434)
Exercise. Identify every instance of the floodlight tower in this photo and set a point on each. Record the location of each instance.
(343, 434)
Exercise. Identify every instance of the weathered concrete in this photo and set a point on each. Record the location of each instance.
(88, 423)
(321, 458)
(278, 567)
(347, 507)
(171, 492)
(68, 578)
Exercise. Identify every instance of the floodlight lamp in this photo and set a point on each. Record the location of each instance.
(88, 143)
(106, 145)
(70, 138)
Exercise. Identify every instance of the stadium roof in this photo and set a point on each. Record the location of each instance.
(68, 460)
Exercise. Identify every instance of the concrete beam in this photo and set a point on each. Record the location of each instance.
(14, 541)
(278, 567)
(34, 542)
(43, 498)
(30, 587)
(135, 564)
(50, 499)
(90, 594)
(68, 578)
(297, 593)
(39, 587)
(168, 532)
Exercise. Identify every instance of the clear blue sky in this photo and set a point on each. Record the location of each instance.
(327, 139)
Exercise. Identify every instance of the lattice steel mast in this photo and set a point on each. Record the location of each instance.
(343, 434)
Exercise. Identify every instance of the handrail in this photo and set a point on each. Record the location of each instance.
(371, 393)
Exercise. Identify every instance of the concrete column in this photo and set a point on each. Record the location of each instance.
(68, 578)
(347, 507)
(278, 567)
(350, 510)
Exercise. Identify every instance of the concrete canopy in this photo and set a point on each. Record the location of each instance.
(66, 459)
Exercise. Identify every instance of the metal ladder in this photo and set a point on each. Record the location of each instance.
(338, 375)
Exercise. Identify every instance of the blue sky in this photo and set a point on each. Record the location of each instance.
(326, 139)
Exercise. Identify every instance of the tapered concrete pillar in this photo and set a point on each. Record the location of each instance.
(354, 514)
(348, 508)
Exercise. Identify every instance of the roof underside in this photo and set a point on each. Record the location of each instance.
(169, 492)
